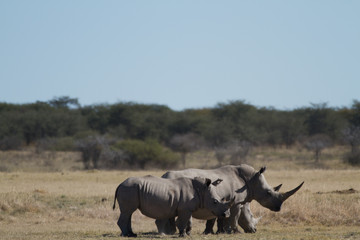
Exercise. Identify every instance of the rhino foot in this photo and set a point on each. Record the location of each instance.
(130, 234)
(206, 232)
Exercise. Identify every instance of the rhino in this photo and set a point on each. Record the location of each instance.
(162, 198)
(241, 182)
(246, 220)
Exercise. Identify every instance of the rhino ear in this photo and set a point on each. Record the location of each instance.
(262, 170)
(207, 182)
(217, 182)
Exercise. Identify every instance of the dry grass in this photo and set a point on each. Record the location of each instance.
(77, 205)
(45, 196)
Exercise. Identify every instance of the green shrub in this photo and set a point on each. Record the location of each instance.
(147, 153)
(55, 144)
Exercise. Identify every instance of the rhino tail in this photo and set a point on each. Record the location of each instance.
(115, 197)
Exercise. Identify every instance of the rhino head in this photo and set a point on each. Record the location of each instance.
(211, 201)
(247, 221)
(267, 196)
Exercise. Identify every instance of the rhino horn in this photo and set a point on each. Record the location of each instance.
(231, 202)
(277, 188)
(256, 220)
(286, 195)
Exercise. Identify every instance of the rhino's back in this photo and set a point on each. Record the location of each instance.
(158, 198)
(227, 174)
(231, 183)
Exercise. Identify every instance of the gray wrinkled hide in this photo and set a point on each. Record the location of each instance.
(161, 198)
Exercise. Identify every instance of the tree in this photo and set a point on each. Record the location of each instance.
(239, 151)
(91, 148)
(352, 136)
(239, 117)
(64, 102)
(320, 119)
(184, 144)
(317, 143)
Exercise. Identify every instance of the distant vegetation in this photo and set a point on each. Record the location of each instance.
(128, 134)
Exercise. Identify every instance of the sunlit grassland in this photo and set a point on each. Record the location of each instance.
(78, 205)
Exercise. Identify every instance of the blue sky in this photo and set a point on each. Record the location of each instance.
(183, 54)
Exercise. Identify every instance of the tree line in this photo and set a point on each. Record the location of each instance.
(128, 133)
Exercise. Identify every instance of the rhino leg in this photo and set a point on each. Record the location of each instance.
(172, 226)
(231, 222)
(229, 225)
(209, 226)
(161, 225)
(124, 224)
(166, 226)
(221, 225)
(182, 221)
(189, 227)
(127, 208)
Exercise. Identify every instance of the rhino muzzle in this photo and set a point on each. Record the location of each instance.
(226, 214)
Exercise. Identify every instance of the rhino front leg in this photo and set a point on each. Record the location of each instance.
(221, 225)
(172, 226)
(182, 221)
(161, 225)
(232, 221)
(166, 226)
(209, 226)
(189, 226)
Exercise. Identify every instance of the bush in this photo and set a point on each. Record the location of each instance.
(11, 143)
(145, 153)
(55, 144)
(353, 158)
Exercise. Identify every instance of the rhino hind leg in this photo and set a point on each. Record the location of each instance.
(209, 226)
(124, 224)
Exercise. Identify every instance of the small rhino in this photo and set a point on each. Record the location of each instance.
(246, 221)
(161, 198)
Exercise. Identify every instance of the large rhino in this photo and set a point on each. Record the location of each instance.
(241, 182)
(161, 198)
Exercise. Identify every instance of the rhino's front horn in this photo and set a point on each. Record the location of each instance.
(286, 195)
(256, 220)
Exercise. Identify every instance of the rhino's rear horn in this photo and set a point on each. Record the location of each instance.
(231, 202)
(277, 188)
(289, 193)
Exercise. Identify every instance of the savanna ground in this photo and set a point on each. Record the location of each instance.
(47, 196)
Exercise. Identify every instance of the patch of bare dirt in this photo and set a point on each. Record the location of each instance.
(346, 191)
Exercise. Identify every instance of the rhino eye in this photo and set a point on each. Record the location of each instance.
(216, 201)
(268, 192)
